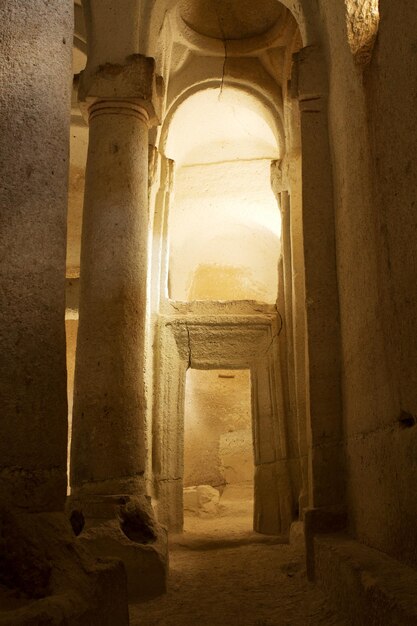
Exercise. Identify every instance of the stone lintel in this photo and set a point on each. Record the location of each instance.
(134, 83)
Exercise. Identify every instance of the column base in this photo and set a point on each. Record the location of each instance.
(124, 527)
(48, 577)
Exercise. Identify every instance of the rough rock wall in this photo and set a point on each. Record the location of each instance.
(392, 110)
(375, 174)
(362, 19)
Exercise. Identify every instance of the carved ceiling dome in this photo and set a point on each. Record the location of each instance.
(231, 19)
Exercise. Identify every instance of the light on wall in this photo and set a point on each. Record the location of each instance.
(362, 20)
(224, 224)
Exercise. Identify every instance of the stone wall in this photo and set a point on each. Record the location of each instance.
(375, 174)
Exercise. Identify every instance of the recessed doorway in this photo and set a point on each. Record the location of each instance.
(218, 452)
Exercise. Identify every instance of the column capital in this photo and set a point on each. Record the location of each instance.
(309, 77)
(132, 88)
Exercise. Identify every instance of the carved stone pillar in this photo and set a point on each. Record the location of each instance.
(34, 106)
(39, 554)
(296, 378)
(108, 451)
(325, 429)
(326, 454)
(108, 456)
(287, 304)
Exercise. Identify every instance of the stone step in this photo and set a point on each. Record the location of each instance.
(370, 587)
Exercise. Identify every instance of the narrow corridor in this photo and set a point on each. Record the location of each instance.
(224, 573)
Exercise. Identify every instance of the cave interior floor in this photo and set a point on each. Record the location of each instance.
(223, 573)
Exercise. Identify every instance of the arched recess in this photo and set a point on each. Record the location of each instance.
(224, 243)
(265, 94)
(312, 221)
(233, 139)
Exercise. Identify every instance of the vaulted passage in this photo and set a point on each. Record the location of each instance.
(208, 312)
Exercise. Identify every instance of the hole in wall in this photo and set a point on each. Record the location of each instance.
(77, 522)
(137, 520)
(407, 420)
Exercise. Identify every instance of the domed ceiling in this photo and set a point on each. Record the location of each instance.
(231, 19)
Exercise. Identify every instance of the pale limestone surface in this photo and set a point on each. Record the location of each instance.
(236, 455)
(224, 221)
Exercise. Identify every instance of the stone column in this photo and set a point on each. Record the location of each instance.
(38, 551)
(299, 335)
(108, 456)
(326, 453)
(295, 339)
(288, 270)
(35, 45)
(285, 304)
(161, 230)
(108, 451)
(325, 428)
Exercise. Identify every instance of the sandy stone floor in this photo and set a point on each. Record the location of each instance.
(248, 585)
(223, 577)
